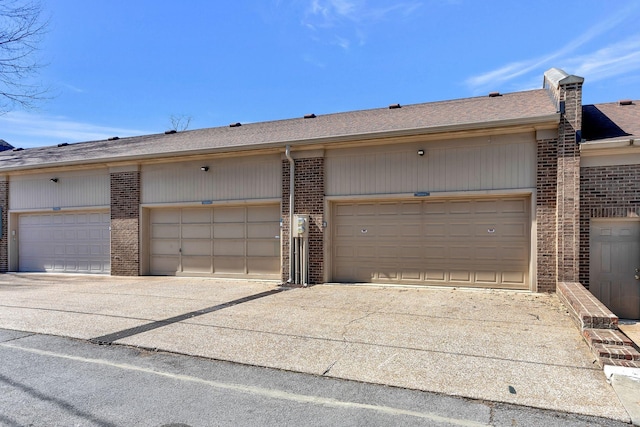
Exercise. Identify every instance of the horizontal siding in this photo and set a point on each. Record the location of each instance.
(73, 189)
(226, 179)
(503, 162)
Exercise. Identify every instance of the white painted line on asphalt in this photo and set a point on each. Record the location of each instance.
(260, 391)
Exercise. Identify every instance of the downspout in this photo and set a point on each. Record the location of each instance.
(292, 169)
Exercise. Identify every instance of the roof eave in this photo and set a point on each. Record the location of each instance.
(536, 122)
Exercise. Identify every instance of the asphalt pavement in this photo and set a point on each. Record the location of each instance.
(500, 346)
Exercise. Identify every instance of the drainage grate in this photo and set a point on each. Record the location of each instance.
(115, 336)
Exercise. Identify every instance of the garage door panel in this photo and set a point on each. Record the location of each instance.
(434, 208)
(486, 207)
(514, 253)
(64, 242)
(513, 277)
(197, 247)
(196, 216)
(229, 231)
(229, 214)
(458, 208)
(165, 247)
(514, 206)
(229, 265)
(460, 276)
(165, 264)
(264, 265)
(474, 242)
(216, 240)
(366, 252)
(196, 264)
(199, 231)
(263, 230)
(228, 247)
(164, 231)
(435, 275)
(345, 251)
(461, 229)
(261, 248)
(438, 229)
(166, 216)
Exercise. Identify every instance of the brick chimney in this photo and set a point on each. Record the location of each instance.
(566, 92)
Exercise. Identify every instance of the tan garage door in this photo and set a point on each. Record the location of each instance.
(64, 242)
(241, 241)
(472, 242)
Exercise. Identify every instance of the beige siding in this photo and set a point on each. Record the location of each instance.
(244, 178)
(488, 163)
(73, 189)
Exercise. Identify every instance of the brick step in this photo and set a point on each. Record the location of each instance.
(585, 309)
(606, 336)
(615, 352)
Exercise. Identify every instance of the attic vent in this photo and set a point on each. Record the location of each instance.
(235, 125)
(18, 149)
(494, 94)
(114, 138)
(310, 116)
(64, 144)
(394, 106)
(169, 132)
(625, 102)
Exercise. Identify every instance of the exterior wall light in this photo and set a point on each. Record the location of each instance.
(421, 152)
(204, 168)
(54, 180)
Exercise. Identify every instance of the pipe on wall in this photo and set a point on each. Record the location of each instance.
(292, 169)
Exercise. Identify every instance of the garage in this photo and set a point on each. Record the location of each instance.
(76, 242)
(223, 241)
(475, 242)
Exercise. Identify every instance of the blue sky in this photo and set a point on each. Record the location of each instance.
(124, 67)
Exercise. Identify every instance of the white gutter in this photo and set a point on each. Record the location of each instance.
(292, 170)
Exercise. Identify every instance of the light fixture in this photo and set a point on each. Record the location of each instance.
(421, 152)
(54, 180)
(204, 168)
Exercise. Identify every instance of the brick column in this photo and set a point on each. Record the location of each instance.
(309, 184)
(4, 240)
(566, 90)
(125, 223)
(546, 199)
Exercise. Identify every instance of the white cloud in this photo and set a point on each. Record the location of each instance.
(350, 18)
(22, 129)
(579, 65)
(619, 58)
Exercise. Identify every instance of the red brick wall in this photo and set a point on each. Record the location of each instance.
(4, 241)
(308, 199)
(605, 192)
(125, 224)
(546, 199)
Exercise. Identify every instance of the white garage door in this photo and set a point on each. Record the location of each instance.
(474, 242)
(64, 242)
(229, 241)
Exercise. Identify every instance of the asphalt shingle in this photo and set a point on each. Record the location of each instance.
(468, 113)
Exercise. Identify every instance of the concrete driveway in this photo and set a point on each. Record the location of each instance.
(500, 346)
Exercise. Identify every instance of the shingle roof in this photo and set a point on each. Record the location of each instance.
(4, 145)
(610, 121)
(470, 113)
